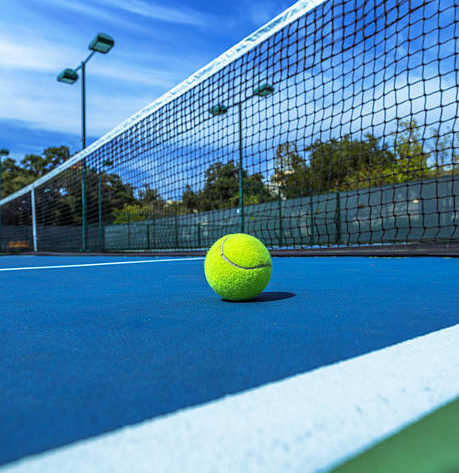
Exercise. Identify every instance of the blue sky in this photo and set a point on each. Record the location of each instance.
(158, 44)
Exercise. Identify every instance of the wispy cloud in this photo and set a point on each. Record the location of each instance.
(179, 15)
(260, 13)
(110, 11)
(39, 55)
(45, 57)
(59, 109)
(253, 13)
(97, 13)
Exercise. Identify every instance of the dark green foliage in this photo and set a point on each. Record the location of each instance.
(348, 164)
(221, 189)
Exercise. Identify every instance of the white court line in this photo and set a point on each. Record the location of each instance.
(307, 423)
(82, 265)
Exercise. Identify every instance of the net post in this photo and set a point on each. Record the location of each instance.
(34, 221)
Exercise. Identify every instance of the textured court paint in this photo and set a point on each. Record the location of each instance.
(304, 424)
(87, 351)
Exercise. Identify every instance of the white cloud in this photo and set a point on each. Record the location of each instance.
(262, 12)
(104, 10)
(48, 105)
(158, 12)
(259, 12)
(39, 55)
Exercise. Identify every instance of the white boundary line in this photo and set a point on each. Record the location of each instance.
(308, 423)
(112, 263)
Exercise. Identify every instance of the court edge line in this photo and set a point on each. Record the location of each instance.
(84, 265)
(308, 423)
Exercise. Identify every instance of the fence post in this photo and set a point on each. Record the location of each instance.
(338, 218)
(176, 229)
(199, 233)
(311, 219)
(34, 221)
(129, 230)
(148, 236)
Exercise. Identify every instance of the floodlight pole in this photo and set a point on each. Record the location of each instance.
(240, 173)
(102, 43)
(263, 90)
(84, 230)
(82, 67)
(83, 163)
(83, 105)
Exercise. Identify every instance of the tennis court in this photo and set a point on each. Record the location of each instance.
(331, 135)
(90, 347)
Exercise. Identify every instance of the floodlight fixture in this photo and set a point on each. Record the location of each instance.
(68, 76)
(217, 110)
(264, 90)
(102, 43)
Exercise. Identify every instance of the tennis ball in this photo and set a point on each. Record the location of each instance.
(238, 267)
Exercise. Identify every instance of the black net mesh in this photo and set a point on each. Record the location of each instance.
(351, 140)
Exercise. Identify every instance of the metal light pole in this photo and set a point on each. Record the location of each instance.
(263, 90)
(102, 43)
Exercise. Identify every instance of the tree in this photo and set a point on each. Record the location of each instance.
(59, 200)
(411, 162)
(221, 189)
(190, 199)
(148, 205)
(14, 177)
(344, 164)
(341, 164)
(444, 152)
(292, 176)
(31, 167)
(38, 166)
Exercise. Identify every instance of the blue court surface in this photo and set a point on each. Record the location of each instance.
(88, 347)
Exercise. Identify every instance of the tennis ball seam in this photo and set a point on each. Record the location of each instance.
(222, 254)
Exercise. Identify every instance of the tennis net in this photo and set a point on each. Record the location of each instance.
(333, 126)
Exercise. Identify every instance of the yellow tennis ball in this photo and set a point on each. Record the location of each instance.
(238, 267)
